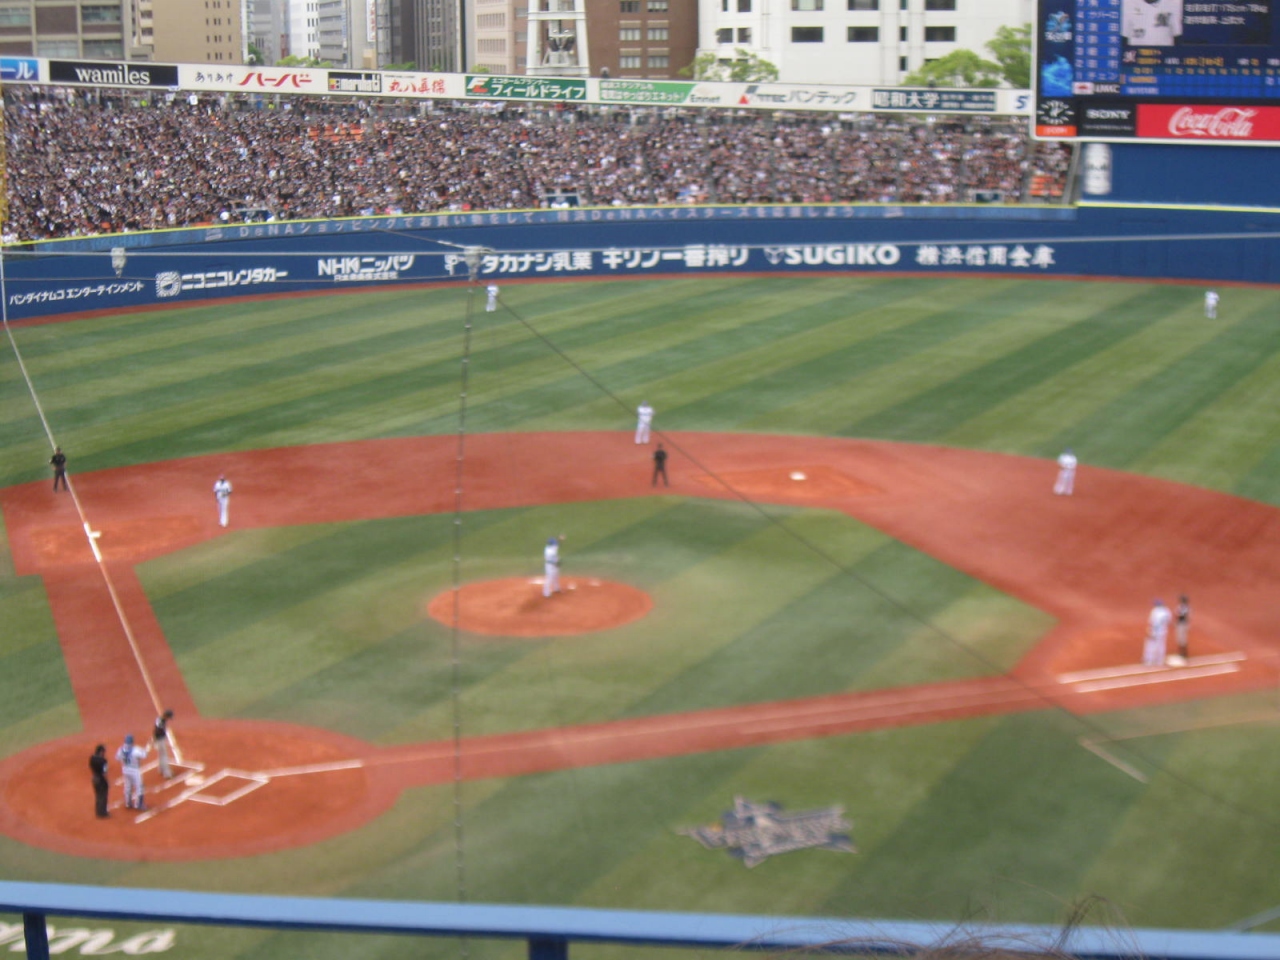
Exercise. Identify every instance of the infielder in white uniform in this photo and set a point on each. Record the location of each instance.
(1151, 23)
(1156, 646)
(222, 493)
(551, 567)
(1211, 304)
(131, 756)
(1066, 481)
(492, 304)
(644, 420)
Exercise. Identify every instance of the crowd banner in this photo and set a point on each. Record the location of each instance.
(621, 92)
(55, 278)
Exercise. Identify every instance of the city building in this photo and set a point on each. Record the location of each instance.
(640, 39)
(74, 29)
(348, 33)
(198, 31)
(265, 23)
(302, 29)
(430, 34)
(852, 41)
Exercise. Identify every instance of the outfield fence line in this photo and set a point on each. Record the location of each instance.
(549, 931)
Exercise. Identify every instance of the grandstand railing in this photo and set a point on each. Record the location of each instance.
(549, 931)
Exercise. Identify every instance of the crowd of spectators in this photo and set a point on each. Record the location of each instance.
(83, 162)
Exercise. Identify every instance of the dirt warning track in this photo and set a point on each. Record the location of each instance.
(1094, 561)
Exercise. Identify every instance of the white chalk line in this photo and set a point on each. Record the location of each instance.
(1138, 668)
(90, 534)
(1095, 744)
(1167, 676)
(194, 784)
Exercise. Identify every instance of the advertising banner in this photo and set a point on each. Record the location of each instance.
(203, 77)
(98, 74)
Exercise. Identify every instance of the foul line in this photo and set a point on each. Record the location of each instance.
(1094, 745)
(90, 534)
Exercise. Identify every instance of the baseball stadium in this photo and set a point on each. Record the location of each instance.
(847, 659)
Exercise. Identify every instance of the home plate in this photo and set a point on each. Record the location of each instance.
(798, 475)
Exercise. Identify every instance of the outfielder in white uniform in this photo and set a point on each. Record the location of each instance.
(644, 420)
(222, 493)
(1156, 645)
(1211, 304)
(131, 756)
(492, 304)
(1151, 23)
(551, 567)
(1066, 481)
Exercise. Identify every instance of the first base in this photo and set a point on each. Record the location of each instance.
(798, 475)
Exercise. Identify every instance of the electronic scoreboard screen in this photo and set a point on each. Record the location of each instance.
(1202, 71)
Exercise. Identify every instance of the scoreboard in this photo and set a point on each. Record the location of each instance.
(1186, 71)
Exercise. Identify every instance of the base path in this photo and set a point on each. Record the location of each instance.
(1094, 561)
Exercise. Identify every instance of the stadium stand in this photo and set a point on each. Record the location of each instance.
(85, 162)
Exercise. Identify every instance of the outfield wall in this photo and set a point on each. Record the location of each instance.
(172, 267)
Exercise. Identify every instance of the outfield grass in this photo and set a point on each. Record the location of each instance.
(1001, 818)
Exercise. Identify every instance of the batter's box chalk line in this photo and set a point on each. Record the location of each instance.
(198, 788)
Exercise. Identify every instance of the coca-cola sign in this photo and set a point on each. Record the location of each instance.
(1208, 122)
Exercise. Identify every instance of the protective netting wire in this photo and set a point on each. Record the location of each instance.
(455, 658)
(902, 606)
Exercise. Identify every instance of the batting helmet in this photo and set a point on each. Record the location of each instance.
(128, 739)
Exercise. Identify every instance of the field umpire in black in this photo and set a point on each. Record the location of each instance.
(660, 466)
(98, 767)
(59, 463)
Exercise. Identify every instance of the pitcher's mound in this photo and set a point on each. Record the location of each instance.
(515, 607)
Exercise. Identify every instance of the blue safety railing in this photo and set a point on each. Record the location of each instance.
(549, 931)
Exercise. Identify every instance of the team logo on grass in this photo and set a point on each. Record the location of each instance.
(753, 832)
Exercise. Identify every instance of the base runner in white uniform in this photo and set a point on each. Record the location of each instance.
(551, 567)
(222, 493)
(131, 756)
(1156, 646)
(1066, 482)
(644, 421)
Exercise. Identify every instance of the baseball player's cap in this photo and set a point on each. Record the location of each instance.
(128, 738)
(551, 541)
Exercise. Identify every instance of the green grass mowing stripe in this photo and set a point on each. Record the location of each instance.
(876, 777)
(998, 629)
(823, 640)
(821, 391)
(1020, 422)
(790, 361)
(1015, 824)
(1225, 441)
(370, 692)
(317, 336)
(32, 678)
(587, 820)
(683, 340)
(1181, 857)
(683, 554)
(284, 580)
(1132, 424)
(1263, 481)
(256, 392)
(24, 610)
(930, 414)
(248, 366)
